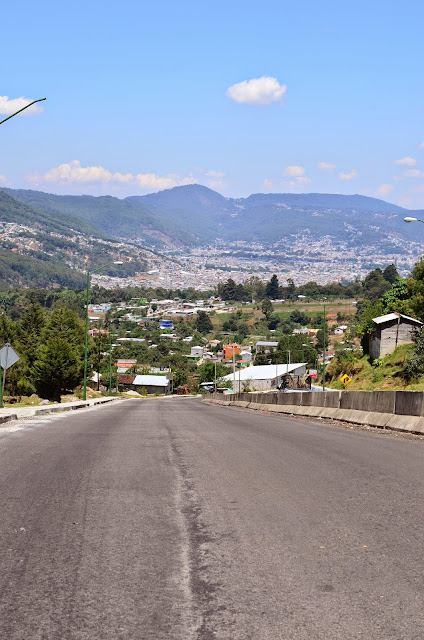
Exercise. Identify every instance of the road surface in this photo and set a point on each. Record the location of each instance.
(172, 519)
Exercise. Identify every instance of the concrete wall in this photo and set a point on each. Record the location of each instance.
(397, 410)
(402, 403)
(379, 401)
(409, 403)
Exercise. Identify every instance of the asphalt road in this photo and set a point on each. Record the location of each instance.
(174, 519)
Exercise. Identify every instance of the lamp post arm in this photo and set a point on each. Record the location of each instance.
(23, 109)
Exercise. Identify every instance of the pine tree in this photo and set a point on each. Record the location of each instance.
(57, 370)
(272, 288)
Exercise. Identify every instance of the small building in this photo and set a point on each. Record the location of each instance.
(123, 365)
(265, 346)
(390, 331)
(229, 350)
(339, 331)
(166, 324)
(152, 384)
(197, 352)
(263, 377)
(246, 356)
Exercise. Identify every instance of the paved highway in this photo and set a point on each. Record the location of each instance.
(172, 519)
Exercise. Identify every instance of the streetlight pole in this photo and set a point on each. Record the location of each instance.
(87, 293)
(110, 363)
(324, 354)
(23, 109)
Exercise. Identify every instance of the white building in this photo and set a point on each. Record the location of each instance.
(263, 377)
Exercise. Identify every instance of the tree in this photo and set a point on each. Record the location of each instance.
(414, 367)
(267, 307)
(227, 290)
(299, 318)
(291, 289)
(207, 371)
(375, 285)
(397, 299)
(8, 329)
(203, 323)
(30, 331)
(66, 324)
(271, 288)
(390, 273)
(57, 369)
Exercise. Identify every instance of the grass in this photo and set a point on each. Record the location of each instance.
(312, 309)
(386, 377)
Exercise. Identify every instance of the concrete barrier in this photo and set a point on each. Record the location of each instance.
(332, 399)
(289, 398)
(380, 401)
(398, 410)
(409, 403)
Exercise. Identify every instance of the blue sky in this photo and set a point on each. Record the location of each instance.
(244, 97)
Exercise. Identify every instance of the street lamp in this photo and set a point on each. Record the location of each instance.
(408, 219)
(23, 109)
(117, 262)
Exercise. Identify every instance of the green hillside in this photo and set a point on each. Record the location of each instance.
(25, 271)
(108, 215)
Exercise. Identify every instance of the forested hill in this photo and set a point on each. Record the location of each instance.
(270, 217)
(26, 271)
(16, 211)
(108, 215)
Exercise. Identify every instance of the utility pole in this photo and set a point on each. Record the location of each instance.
(324, 354)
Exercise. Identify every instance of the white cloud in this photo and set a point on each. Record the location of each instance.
(348, 176)
(294, 170)
(216, 184)
(303, 180)
(259, 92)
(422, 145)
(73, 173)
(7, 107)
(413, 173)
(406, 162)
(385, 189)
(326, 166)
(4, 181)
(268, 184)
(215, 174)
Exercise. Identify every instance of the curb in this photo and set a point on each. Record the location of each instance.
(11, 416)
(58, 408)
(392, 422)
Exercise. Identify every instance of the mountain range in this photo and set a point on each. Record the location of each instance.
(196, 215)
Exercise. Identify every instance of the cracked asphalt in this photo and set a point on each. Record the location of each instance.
(173, 519)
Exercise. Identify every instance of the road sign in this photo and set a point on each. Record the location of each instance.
(8, 356)
(345, 379)
(313, 373)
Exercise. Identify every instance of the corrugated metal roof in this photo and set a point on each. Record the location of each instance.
(265, 371)
(264, 343)
(394, 316)
(151, 381)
